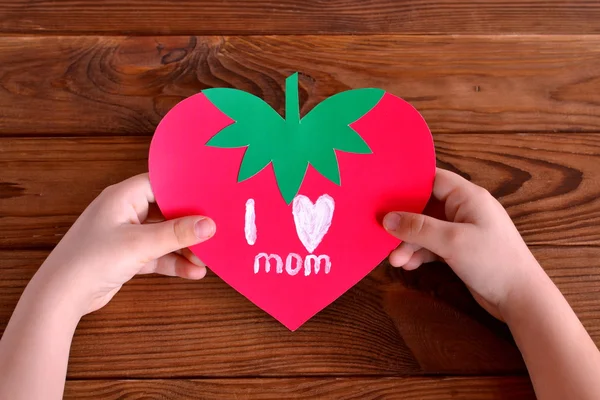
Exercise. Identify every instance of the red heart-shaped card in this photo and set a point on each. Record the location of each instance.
(297, 201)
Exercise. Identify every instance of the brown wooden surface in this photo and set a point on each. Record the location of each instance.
(391, 323)
(123, 85)
(548, 183)
(299, 16)
(511, 90)
(162, 327)
(494, 388)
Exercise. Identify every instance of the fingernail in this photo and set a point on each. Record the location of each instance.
(391, 221)
(204, 228)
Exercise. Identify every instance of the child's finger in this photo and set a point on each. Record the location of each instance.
(191, 257)
(166, 237)
(175, 265)
(419, 258)
(154, 215)
(448, 183)
(420, 229)
(401, 254)
(136, 192)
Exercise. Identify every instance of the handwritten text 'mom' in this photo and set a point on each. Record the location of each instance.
(293, 263)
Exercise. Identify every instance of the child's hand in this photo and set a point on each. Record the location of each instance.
(480, 243)
(109, 244)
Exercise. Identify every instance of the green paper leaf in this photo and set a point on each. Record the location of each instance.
(255, 159)
(331, 119)
(325, 161)
(239, 105)
(292, 144)
(344, 138)
(254, 119)
(289, 172)
(344, 108)
(230, 137)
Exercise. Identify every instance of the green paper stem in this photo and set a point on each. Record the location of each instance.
(292, 100)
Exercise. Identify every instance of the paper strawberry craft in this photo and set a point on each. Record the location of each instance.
(298, 200)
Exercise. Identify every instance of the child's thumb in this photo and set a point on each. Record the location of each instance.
(421, 230)
(172, 235)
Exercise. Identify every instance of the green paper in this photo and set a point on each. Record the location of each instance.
(291, 144)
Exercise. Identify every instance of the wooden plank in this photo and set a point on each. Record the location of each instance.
(159, 327)
(123, 86)
(393, 322)
(426, 388)
(548, 183)
(295, 16)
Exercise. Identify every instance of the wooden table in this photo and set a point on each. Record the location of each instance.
(511, 90)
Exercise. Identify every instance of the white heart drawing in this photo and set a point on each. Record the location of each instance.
(312, 220)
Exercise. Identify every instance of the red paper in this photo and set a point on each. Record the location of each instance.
(190, 178)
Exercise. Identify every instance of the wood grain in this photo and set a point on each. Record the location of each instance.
(123, 86)
(393, 322)
(295, 16)
(159, 327)
(548, 183)
(484, 388)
